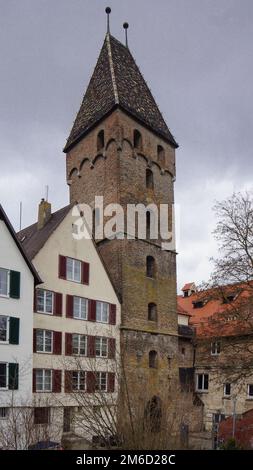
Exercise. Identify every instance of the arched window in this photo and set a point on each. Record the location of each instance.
(152, 359)
(150, 271)
(73, 173)
(160, 155)
(137, 140)
(100, 140)
(149, 179)
(152, 312)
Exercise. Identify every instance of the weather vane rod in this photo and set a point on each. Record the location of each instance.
(108, 11)
(125, 26)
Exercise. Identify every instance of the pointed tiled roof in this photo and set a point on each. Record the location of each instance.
(117, 82)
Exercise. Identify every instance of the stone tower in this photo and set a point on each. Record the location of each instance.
(121, 148)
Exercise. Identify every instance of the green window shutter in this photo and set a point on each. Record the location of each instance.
(15, 284)
(14, 331)
(13, 376)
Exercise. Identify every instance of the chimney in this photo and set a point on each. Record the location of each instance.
(44, 213)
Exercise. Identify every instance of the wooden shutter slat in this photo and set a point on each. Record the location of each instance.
(58, 304)
(112, 315)
(57, 342)
(90, 381)
(85, 273)
(68, 381)
(13, 375)
(34, 380)
(91, 346)
(62, 267)
(68, 344)
(69, 306)
(92, 310)
(111, 348)
(57, 381)
(14, 330)
(34, 340)
(35, 300)
(15, 284)
(111, 382)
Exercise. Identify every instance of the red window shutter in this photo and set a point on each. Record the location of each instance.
(110, 382)
(57, 340)
(112, 318)
(68, 381)
(68, 344)
(35, 300)
(62, 267)
(91, 381)
(111, 348)
(92, 310)
(85, 273)
(34, 380)
(69, 306)
(34, 340)
(56, 381)
(57, 304)
(91, 346)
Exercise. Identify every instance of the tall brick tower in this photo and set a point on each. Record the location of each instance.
(121, 148)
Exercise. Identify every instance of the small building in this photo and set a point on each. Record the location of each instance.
(76, 320)
(18, 278)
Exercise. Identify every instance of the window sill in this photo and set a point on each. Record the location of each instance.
(249, 399)
(44, 313)
(201, 391)
(4, 342)
(226, 397)
(3, 296)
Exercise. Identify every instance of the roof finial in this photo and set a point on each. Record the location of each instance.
(125, 26)
(108, 11)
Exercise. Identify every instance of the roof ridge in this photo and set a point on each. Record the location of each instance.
(114, 83)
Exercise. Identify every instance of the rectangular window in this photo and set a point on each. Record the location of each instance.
(101, 381)
(45, 302)
(4, 328)
(73, 270)
(44, 341)
(250, 390)
(215, 348)
(4, 282)
(43, 380)
(78, 380)
(79, 345)
(227, 389)
(102, 312)
(3, 413)
(3, 376)
(101, 347)
(80, 308)
(202, 382)
(41, 415)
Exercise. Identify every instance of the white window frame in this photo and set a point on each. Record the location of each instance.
(78, 389)
(101, 304)
(7, 295)
(45, 291)
(79, 317)
(101, 339)
(72, 277)
(4, 414)
(43, 380)
(217, 345)
(250, 397)
(99, 382)
(7, 330)
(44, 341)
(224, 390)
(7, 376)
(202, 389)
(79, 346)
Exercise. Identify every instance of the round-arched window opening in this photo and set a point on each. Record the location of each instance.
(137, 140)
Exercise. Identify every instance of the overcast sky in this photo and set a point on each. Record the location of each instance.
(197, 57)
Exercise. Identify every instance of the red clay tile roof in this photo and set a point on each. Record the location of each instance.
(188, 286)
(243, 429)
(117, 82)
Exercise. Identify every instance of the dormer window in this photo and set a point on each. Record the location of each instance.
(198, 304)
(100, 140)
(137, 140)
(215, 348)
(160, 155)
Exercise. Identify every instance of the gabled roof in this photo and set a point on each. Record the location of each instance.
(117, 82)
(188, 286)
(4, 218)
(33, 239)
